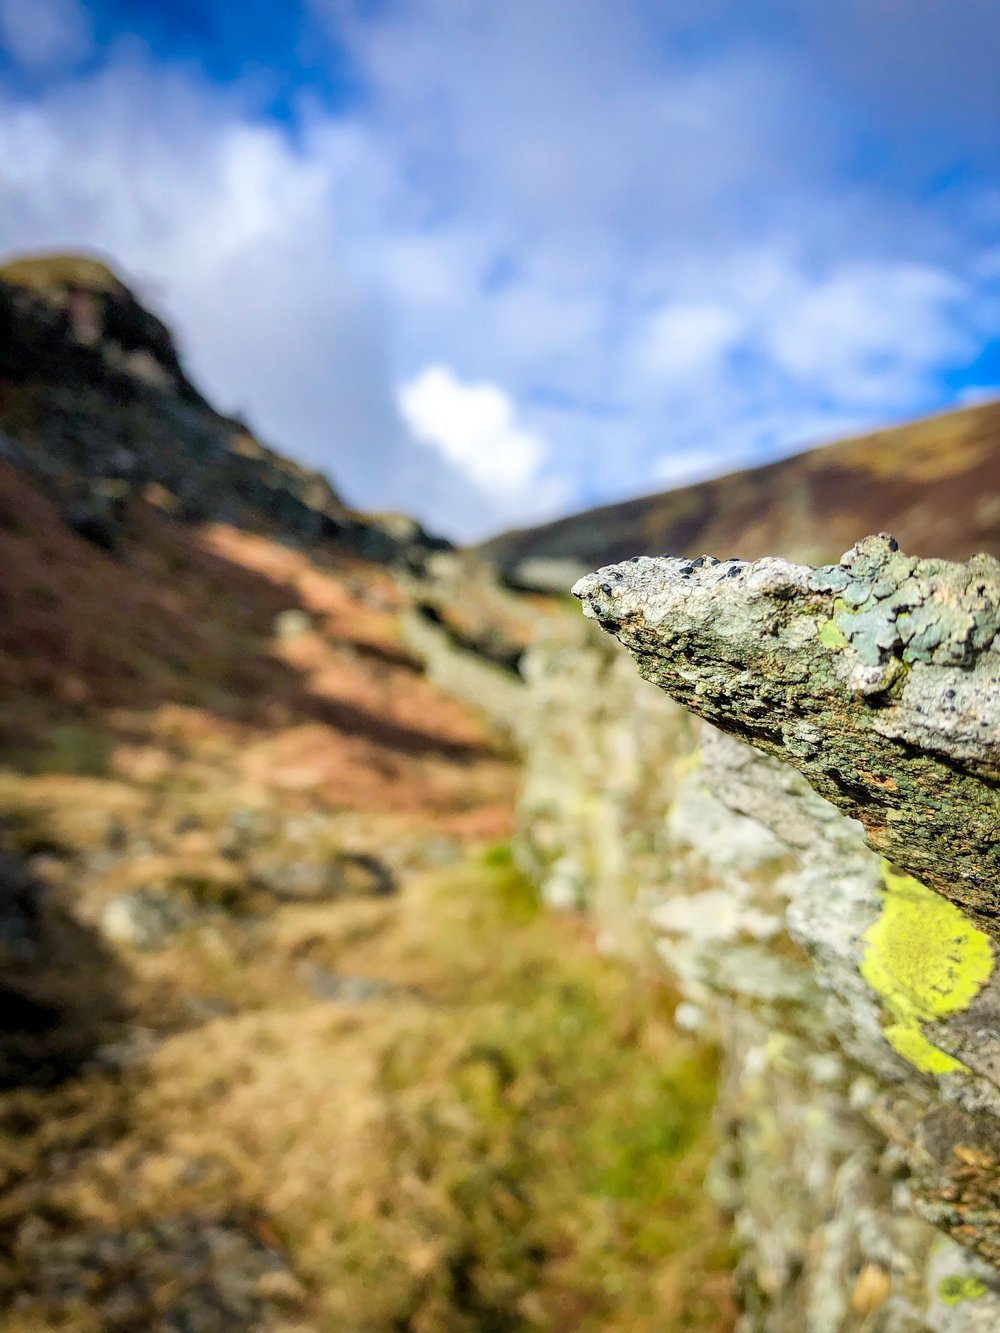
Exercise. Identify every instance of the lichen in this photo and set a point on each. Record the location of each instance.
(831, 635)
(960, 1287)
(878, 678)
(926, 960)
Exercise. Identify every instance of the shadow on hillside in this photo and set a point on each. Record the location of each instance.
(61, 988)
(75, 1252)
(91, 636)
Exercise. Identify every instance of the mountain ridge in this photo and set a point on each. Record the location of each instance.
(935, 482)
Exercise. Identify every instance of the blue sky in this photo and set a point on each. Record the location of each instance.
(487, 262)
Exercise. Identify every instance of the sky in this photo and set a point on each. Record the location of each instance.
(490, 261)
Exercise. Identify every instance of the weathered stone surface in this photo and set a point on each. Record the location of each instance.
(855, 1006)
(469, 633)
(878, 678)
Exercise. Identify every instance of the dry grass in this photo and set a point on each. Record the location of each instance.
(503, 1134)
(515, 1141)
(48, 273)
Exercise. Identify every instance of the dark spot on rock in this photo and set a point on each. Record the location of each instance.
(607, 589)
(949, 694)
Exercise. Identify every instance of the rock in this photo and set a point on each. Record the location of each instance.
(97, 511)
(292, 624)
(21, 898)
(181, 1274)
(342, 875)
(878, 678)
(116, 835)
(326, 985)
(823, 898)
(544, 574)
(145, 919)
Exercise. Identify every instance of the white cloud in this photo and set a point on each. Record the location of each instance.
(41, 35)
(869, 332)
(684, 339)
(475, 427)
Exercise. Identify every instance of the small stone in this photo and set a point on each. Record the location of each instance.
(292, 624)
(144, 919)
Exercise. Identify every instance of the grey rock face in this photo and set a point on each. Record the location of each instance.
(831, 927)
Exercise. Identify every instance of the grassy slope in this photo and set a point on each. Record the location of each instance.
(935, 484)
(509, 1136)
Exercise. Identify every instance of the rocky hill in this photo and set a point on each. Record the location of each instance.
(934, 483)
(95, 404)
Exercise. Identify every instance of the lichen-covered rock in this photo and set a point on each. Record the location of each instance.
(832, 927)
(878, 678)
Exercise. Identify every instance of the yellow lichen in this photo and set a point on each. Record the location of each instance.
(831, 635)
(926, 960)
(959, 1287)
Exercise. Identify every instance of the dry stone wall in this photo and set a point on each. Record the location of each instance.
(820, 882)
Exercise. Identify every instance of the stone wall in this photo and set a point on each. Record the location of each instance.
(855, 1005)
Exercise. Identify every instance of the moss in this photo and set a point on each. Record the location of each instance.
(77, 749)
(959, 1287)
(926, 960)
(498, 855)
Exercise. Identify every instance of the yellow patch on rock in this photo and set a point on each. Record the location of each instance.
(927, 960)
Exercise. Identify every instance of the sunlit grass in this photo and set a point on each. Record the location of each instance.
(519, 1146)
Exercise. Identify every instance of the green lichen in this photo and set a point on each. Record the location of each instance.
(926, 960)
(831, 635)
(959, 1287)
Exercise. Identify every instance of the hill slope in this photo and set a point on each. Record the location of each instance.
(283, 1032)
(96, 406)
(935, 484)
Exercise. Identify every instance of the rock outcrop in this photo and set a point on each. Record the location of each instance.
(878, 678)
(96, 406)
(824, 897)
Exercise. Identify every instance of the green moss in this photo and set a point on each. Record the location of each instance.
(957, 1287)
(926, 960)
(498, 854)
(75, 748)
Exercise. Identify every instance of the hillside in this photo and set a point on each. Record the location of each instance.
(935, 484)
(96, 406)
(283, 1030)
